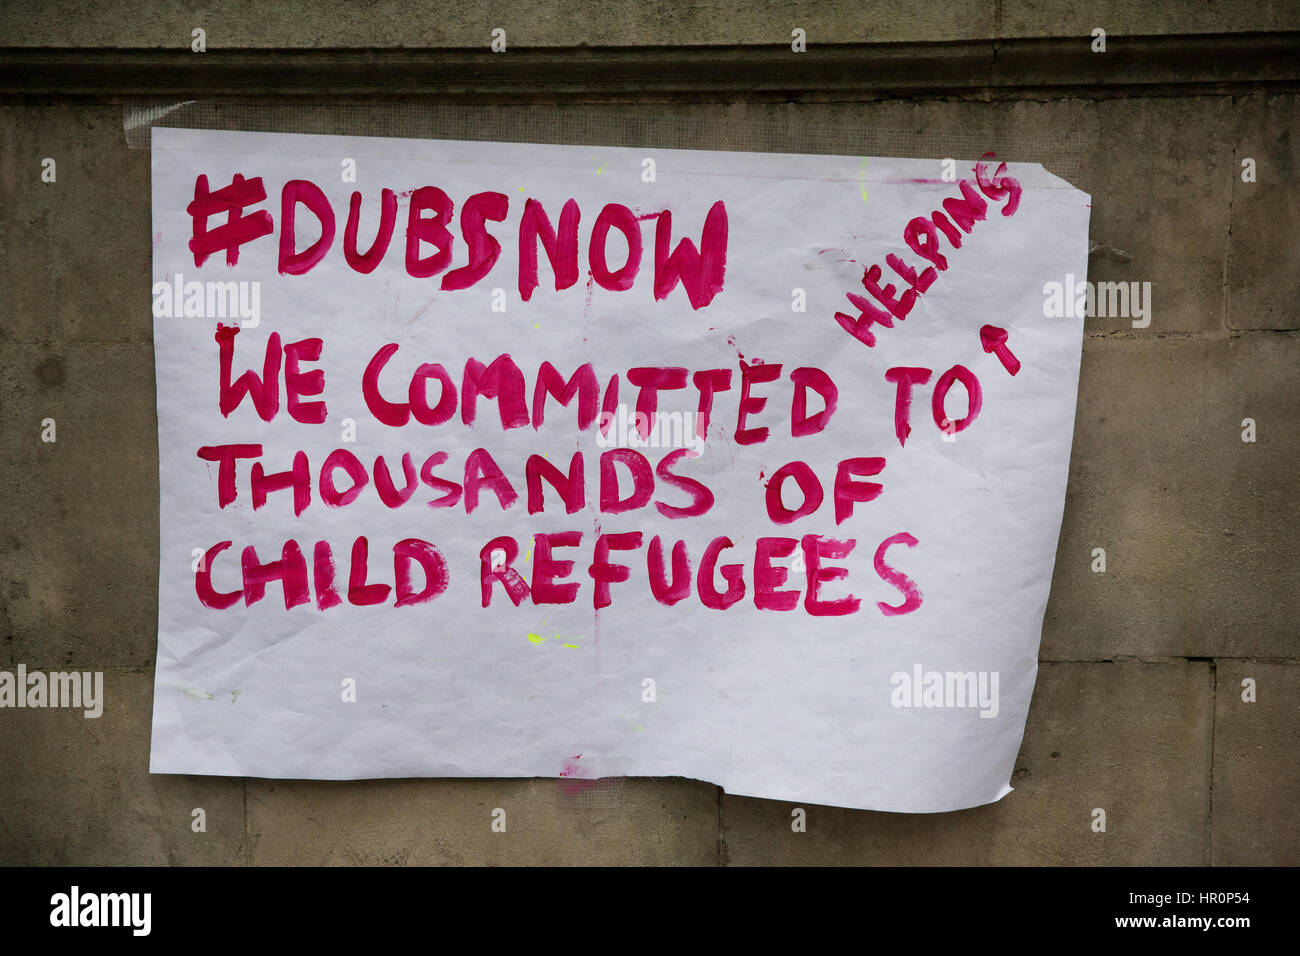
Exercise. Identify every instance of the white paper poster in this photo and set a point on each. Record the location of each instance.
(499, 460)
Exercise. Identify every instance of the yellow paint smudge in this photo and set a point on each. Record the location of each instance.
(540, 639)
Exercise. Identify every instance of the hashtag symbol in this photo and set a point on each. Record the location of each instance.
(238, 229)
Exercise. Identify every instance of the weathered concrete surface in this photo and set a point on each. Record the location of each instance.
(77, 791)
(635, 821)
(72, 266)
(558, 23)
(1257, 765)
(1131, 739)
(1121, 18)
(1166, 211)
(79, 542)
(1198, 526)
(1263, 257)
(389, 23)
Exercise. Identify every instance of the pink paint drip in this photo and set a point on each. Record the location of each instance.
(595, 613)
(575, 778)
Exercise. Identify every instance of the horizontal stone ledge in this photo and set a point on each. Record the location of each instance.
(891, 68)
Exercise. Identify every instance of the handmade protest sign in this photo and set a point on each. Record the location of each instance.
(484, 459)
